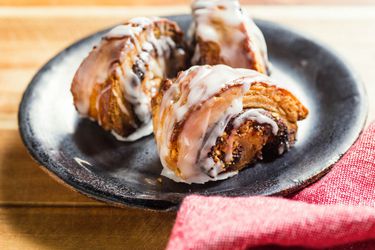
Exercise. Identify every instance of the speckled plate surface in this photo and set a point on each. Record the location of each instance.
(90, 160)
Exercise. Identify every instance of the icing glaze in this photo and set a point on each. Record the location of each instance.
(142, 21)
(195, 89)
(122, 31)
(226, 24)
(98, 101)
(139, 133)
(257, 115)
(138, 73)
(199, 179)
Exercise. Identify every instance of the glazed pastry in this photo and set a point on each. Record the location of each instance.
(115, 83)
(214, 120)
(223, 34)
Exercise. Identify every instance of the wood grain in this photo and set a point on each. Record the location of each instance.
(38, 213)
(82, 228)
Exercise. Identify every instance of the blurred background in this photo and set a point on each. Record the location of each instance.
(168, 2)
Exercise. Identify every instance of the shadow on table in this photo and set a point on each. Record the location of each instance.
(38, 209)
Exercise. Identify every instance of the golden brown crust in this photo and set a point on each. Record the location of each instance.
(156, 102)
(210, 53)
(109, 114)
(274, 99)
(251, 140)
(107, 102)
(237, 42)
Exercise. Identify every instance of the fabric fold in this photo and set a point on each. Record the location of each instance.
(336, 212)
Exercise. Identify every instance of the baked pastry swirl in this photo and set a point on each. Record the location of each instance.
(214, 120)
(115, 83)
(222, 33)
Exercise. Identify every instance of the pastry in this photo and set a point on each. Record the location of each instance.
(115, 83)
(212, 121)
(222, 33)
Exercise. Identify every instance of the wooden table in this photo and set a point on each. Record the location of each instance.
(38, 213)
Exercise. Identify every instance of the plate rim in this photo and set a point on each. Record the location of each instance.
(159, 204)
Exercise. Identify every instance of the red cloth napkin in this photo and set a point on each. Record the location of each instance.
(337, 212)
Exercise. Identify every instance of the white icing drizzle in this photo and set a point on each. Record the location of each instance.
(139, 133)
(151, 55)
(216, 132)
(208, 13)
(131, 84)
(134, 94)
(142, 21)
(98, 101)
(200, 179)
(123, 30)
(147, 47)
(206, 82)
(97, 66)
(257, 41)
(257, 115)
(199, 134)
(134, 27)
(120, 103)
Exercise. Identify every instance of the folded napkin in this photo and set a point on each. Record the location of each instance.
(337, 212)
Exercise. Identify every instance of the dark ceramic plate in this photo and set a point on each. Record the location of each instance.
(91, 161)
